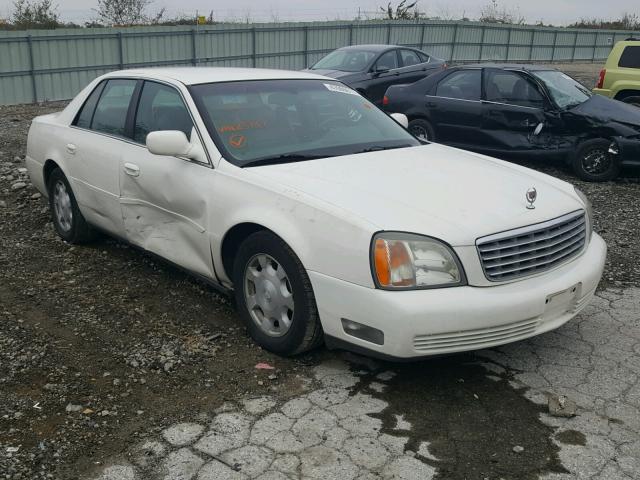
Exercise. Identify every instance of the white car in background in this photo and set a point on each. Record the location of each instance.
(323, 214)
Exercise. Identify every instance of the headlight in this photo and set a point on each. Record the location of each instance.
(589, 209)
(405, 261)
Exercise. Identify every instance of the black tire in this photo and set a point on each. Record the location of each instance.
(422, 129)
(77, 230)
(633, 100)
(305, 331)
(606, 166)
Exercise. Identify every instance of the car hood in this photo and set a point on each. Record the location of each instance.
(432, 190)
(606, 110)
(337, 74)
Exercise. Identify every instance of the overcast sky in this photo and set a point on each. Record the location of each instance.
(559, 12)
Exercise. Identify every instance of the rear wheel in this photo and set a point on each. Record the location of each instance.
(67, 218)
(274, 296)
(593, 162)
(422, 129)
(634, 100)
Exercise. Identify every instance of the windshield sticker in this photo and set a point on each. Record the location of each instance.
(244, 125)
(340, 89)
(237, 141)
(355, 115)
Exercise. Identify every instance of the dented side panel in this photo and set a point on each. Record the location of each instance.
(165, 208)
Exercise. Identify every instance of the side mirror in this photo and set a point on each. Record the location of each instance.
(400, 118)
(172, 143)
(379, 71)
(538, 129)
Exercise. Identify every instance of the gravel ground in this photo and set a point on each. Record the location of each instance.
(103, 347)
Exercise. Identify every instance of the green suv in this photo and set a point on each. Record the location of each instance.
(620, 77)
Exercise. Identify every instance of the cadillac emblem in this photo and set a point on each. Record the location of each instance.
(532, 195)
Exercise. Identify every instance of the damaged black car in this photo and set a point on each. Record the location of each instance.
(513, 111)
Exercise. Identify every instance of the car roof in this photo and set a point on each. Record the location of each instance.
(509, 66)
(373, 47)
(196, 75)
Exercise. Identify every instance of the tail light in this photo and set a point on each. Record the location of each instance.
(600, 83)
(385, 100)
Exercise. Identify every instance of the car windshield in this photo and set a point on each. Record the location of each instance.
(345, 61)
(276, 121)
(564, 90)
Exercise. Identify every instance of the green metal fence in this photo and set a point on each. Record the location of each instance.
(55, 64)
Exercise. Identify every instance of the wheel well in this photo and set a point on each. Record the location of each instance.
(49, 166)
(621, 95)
(231, 243)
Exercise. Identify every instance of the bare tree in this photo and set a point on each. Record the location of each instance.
(495, 13)
(402, 11)
(126, 12)
(35, 14)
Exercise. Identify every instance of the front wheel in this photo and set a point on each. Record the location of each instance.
(274, 296)
(422, 129)
(593, 162)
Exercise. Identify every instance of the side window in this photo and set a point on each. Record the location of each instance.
(388, 61)
(409, 57)
(424, 58)
(83, 119)
(630, 58)
(111, 113)
(160, 108)
(512, 88)
(463, 84)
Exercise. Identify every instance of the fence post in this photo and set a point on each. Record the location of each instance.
(194, 53)
(508, 43)
(484, 31)
(533, 37)
(595, 45)
(453, 43)
(388, 33)
(253, 47)
(351, 34)
(306, 46)
(32, 72)
(120, 51)
(555, 42)
(424, 29)
(575, 43)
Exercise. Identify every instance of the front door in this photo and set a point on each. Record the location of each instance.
(165, 200)
(512, 111)
(385, 72)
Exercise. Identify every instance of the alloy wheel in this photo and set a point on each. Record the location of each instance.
(596, 161)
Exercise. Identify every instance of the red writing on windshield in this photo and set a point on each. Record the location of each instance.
(246, 125)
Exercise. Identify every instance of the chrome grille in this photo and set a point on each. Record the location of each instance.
(529, 250)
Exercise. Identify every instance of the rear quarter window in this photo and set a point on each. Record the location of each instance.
(630, 57)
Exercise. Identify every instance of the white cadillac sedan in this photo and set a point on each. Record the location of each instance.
(324, 215)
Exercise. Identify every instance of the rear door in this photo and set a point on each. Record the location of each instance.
(95, 145)
(165, 200)
(385, 72)
(412, 66)
(455, 108)
(512, 109)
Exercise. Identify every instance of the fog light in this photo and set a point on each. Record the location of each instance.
(363, 332)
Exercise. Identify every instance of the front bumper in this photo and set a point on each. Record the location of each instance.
(420, 323)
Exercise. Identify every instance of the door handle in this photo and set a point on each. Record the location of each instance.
(71, 148)
(431, 104)
(131, 169)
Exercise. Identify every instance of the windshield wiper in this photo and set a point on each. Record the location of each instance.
(377, 148)
(284, 158)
